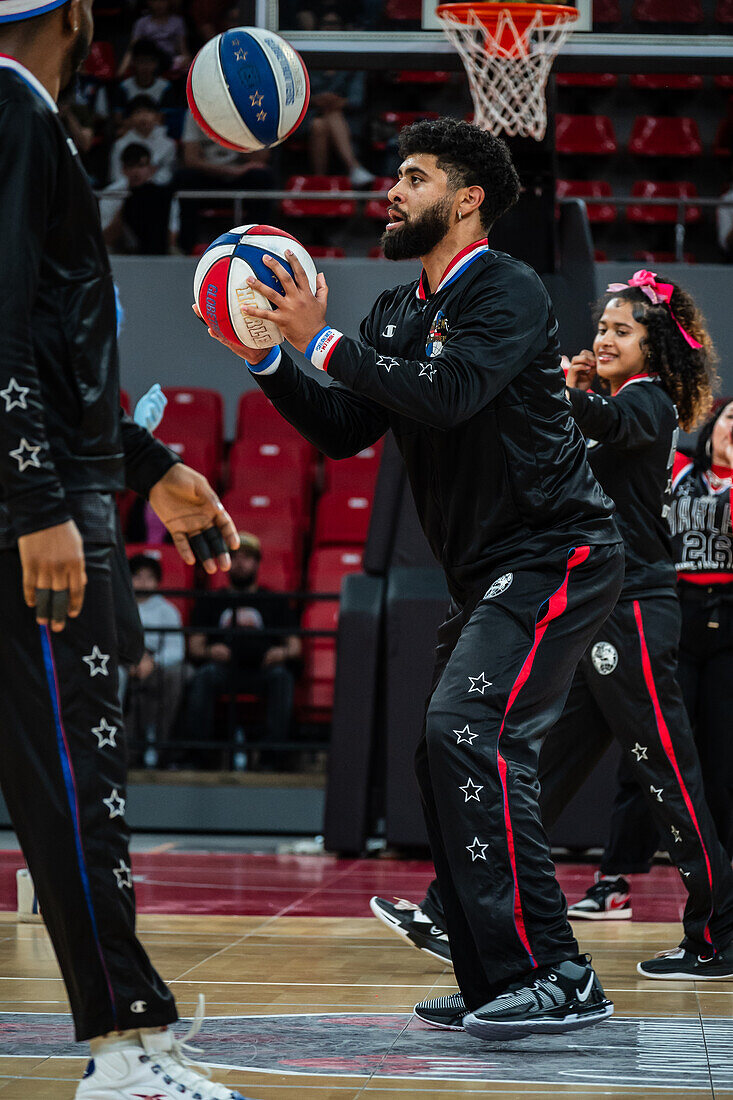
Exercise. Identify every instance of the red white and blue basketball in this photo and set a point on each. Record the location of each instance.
(248, 89)
(220, 287)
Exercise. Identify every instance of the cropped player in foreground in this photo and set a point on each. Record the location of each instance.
(464, 366)
(654, 353)
(69, 615)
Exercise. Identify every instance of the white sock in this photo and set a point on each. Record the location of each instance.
(114, 1040)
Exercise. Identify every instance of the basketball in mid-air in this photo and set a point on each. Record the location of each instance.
(220, 287)
(248, 89)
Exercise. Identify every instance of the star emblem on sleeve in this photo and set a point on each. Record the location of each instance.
(105, 734)
(477, 850)
(14, 396)
(465, 735)
(387, 361)
(657, 793)
(471, 790)
(97, 662)
(479, 684)
(26, 454)
(427, 370)
(115, 804)
(256, 99)
(640, 752)
(677, 835)
(123, 874)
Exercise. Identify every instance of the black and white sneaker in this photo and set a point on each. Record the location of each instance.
(607, 899)
(682, 964)
(408, 920)
(559, 998)
(445, 1012)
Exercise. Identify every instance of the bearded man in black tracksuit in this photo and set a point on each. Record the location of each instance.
(463, 366)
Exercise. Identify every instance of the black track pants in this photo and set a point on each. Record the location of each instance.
(504, 666)
(625, 688)
(63, 775)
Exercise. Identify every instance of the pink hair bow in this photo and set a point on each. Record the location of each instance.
(657, 293)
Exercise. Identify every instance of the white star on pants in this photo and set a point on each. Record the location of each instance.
(123, 874)
(477, 850)
(471, 790)
(677, 835)
(14, 396)
(465, 735)
(105, 733)
(479, 684)
(97, 662)
(658, 793)
(639, 752)
(26, 455)
(115, 804)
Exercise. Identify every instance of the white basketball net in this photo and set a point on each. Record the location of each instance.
(508, 69)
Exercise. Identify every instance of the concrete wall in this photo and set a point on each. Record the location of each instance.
(163, 341)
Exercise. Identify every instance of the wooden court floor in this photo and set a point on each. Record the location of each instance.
(317, 1008)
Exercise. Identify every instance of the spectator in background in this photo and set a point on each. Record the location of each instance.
(144, 127)
(724, 220)
(211, 17)
(167, 31)
(208, 166)
(335, 103)
(137, 222)
(155, 685)
(243, 657)
(144, 78)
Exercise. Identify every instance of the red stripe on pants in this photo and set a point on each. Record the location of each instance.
(556, 605)
(666, 740)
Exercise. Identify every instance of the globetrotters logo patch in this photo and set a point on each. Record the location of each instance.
(604, 657)
(438, 335)
(500, 585)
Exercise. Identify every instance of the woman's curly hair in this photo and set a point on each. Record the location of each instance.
(688, 374)
(469, 157)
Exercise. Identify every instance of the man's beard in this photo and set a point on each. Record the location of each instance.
(243, 580)
(420, 235)
(76, 56)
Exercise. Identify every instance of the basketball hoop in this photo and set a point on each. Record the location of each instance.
(508, 51)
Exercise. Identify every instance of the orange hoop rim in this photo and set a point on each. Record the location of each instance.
(487, 12)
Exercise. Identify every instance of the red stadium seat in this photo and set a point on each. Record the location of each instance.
(664, 257)
(200, 454)
(586, 80)
(195, 410)
(326, 252)
(315, 694)
(342, 518)
(606, 11)
(313, 208)
(599, 256)
(377, 208)
(666, 82)
(100, 62)
(403, 10)
(125, 400)
(376, 252)
(724, 11)
(257, 415)
(667, 11)
(665, 137)
(176, 574)
(421, 76)
(354, 475)
(330, 564)
(585, 134)
(724, 80)
(648, 189)
(276, 522)
(276, 468)
(593, 189)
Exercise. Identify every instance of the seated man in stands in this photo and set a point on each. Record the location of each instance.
(134, 210)
(145, 127)
(152, 689)
(255, 652)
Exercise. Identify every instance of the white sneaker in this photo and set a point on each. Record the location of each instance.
(361, 176)
(153, 1066)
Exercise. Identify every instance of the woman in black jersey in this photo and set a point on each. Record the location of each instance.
(655, 362)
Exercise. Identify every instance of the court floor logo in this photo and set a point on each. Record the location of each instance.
(677, 1053)
(604, 657)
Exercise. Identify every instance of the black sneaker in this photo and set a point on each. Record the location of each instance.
(681, 964)
(408, 920)
(446, 1012)
(559, 998)
(606, 899)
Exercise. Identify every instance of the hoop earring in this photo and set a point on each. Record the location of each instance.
(460, 216)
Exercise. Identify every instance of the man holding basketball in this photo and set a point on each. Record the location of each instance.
(68, 607)
(464, 367)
